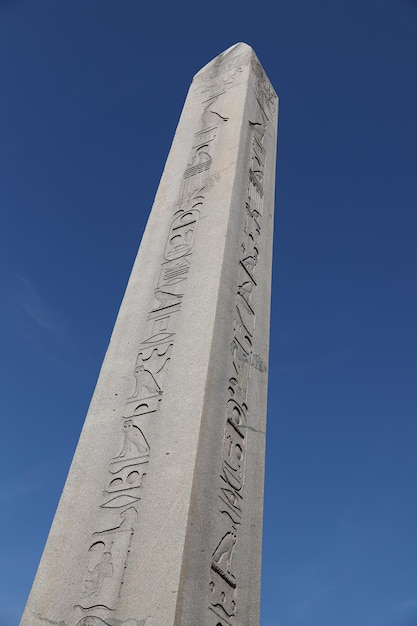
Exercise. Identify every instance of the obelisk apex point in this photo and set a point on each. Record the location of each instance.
(241, 45)
(235, 50)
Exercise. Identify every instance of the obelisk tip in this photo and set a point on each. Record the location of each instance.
(233, 51)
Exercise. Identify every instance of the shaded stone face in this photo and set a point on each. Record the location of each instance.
(160, 519)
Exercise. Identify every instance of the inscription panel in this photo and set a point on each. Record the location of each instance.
(107, 555)
(223, 583)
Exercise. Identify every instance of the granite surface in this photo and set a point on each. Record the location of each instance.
(160, 520)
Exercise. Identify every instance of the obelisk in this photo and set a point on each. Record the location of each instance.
(160, 519)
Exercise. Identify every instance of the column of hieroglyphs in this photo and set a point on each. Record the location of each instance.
(160, 519)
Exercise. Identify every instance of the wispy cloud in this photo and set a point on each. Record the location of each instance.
(36, 308)
(37, 322)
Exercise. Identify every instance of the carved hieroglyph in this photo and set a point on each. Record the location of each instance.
(160, 519)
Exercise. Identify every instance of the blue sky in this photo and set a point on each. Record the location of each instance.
(91, 93)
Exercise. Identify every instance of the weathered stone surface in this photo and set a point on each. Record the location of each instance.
(160, 518)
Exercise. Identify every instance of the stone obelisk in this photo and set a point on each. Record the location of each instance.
(160, 519)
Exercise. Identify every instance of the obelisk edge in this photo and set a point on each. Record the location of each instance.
(203, 534)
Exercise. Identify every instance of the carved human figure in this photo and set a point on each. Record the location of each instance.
(95, 577)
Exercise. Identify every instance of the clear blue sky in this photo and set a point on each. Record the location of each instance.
(91, 92)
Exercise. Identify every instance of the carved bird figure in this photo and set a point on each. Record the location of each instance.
(133, 436)
(225, 549)
(145, 383)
